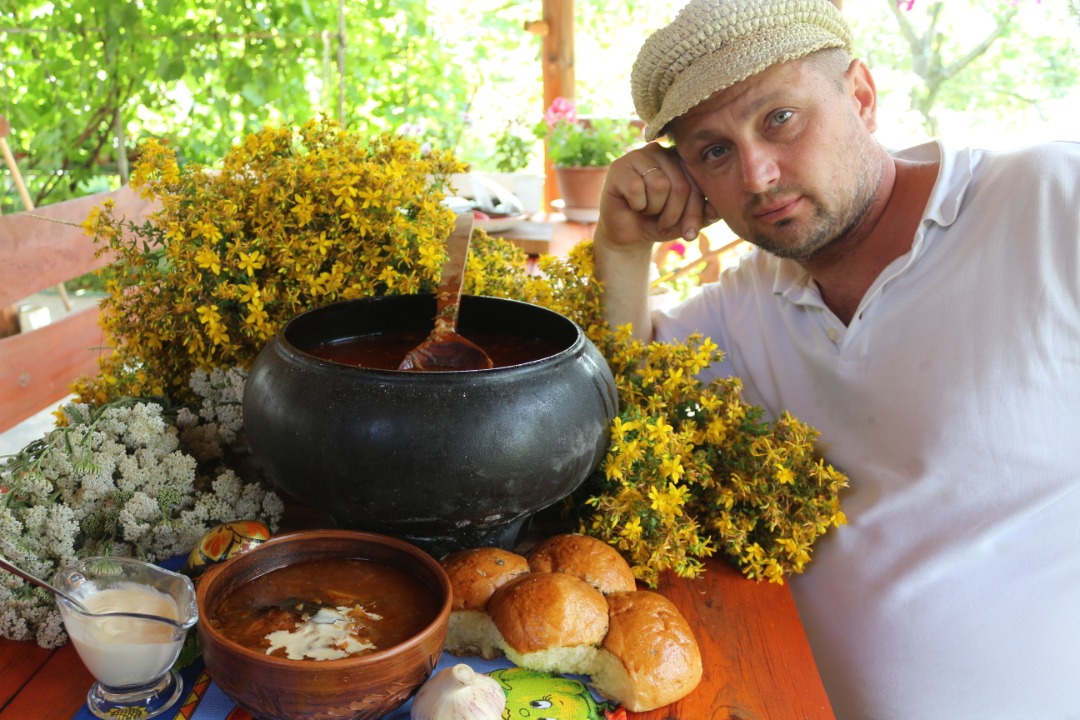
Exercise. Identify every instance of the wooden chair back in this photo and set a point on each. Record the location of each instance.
(38, 367)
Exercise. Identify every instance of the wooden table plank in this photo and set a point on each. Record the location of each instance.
(55, 692)
(756, 659)
(546, 235)
(532, 237)
(18, 663)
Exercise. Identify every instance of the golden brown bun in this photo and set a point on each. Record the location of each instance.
(541, 611)
(475, 574)
(652, 658)
(586, 557)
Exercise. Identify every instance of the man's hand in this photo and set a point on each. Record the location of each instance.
(648, 197)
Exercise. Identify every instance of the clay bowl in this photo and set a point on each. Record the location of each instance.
(355, 688)
(444, 460)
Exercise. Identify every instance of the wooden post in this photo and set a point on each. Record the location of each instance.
(558, 66)
(9, 315)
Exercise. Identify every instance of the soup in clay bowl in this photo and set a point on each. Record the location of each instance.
(385, 592)
(444, 460)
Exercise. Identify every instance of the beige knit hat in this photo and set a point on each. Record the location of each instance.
(713, 44)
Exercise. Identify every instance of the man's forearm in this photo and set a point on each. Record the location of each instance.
(624, 272)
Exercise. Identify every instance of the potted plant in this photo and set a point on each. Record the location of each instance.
(514, 148)
(581, 151)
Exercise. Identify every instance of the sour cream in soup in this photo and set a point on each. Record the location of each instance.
(123, 651)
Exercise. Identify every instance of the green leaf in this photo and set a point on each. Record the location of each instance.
(171, 68)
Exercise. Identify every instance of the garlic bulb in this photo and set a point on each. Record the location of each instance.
(459, 693)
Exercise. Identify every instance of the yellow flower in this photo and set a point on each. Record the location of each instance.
(370, 196)
(619, 428)
(784, 475)
(304, 209)
(208, 315)
(257, 317)
(207, 259)
(322, 244)
(632, 529)
(667, 502)
(671, 467)
(207, 229)
(249, 294)
(250, 262)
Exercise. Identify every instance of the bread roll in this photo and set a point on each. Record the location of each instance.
(475, 574)
(540, 611)
(586, 557)
(650, 657)
(471, 633)
(551, 622)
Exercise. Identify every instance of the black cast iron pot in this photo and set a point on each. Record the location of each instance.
(446, 460)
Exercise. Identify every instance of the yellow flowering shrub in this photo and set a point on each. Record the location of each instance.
(294, 221)
(289, 221)
(691, 469)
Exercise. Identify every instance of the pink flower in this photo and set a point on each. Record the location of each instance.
(561, 110)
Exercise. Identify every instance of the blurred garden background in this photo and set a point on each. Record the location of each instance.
(83, 82)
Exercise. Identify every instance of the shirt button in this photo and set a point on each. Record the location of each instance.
(833, 334)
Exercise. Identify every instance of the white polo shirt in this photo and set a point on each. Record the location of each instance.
(952, 401)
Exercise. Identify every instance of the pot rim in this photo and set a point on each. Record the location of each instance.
(285, 344)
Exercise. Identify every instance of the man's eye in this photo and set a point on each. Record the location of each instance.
(782, 117)
(716, 151)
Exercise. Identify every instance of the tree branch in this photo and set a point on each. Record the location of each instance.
(1003, 24)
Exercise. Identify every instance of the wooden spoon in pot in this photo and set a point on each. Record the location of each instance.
(444, 349)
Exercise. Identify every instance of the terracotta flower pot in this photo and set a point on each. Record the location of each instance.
(580, 188)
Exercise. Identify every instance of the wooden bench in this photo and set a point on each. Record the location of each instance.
(38, 367)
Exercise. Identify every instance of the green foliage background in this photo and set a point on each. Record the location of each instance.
(202, 74)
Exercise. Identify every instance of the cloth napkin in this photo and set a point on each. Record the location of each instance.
(565, 696)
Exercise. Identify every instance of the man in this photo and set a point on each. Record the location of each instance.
(920, 309)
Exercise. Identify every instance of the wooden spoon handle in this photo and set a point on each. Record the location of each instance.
(453, 274)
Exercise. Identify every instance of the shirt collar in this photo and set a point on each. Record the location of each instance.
(954, 178)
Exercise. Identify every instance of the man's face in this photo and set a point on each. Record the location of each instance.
(786, 157)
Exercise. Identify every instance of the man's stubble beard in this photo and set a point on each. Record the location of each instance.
(827, 226)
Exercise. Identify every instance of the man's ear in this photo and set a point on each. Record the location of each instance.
(863, 92)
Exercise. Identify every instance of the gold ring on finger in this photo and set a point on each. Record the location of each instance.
(649, 171)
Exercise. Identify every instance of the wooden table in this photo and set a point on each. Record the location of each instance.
(757, 663)
(546, 234)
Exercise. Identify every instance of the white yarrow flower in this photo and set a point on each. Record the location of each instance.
(121, 480)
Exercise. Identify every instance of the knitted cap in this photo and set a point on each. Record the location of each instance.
(713, 44)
